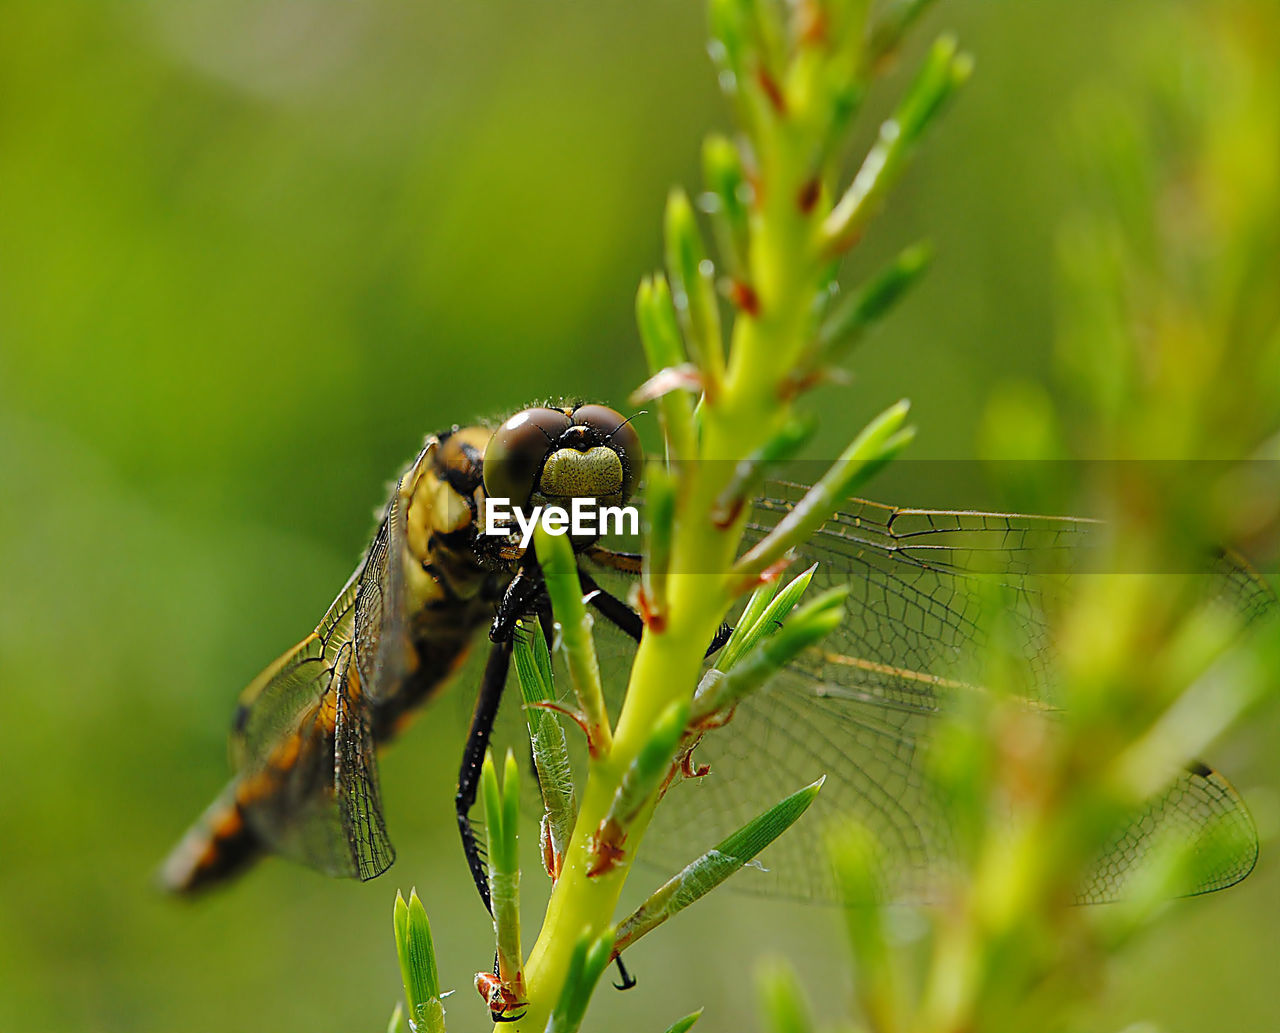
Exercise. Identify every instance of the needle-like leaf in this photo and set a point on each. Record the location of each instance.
(693, 292)
(501, 809)
(881, 440)
(942, 73)
(560, 569)
(417, 955)
(704, 874)
(547, 738)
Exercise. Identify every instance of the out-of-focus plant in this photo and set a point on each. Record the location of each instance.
(1170, 343)
(795, 75)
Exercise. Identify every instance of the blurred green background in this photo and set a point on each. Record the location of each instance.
(250, 252)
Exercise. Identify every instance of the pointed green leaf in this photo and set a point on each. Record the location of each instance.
(869, 303)
(719, 691)
(546, 736)
(768, 621)
(650, 767)
(501, 803)
(693, 292)
(664, 350)
(749, 474)
(685, 1024)
(588, 961)
(750, 617)
(942, 73)
(707, 872)
(882, 439)
(726, 201)
(560, 570)
(417, 955)
(660, 514)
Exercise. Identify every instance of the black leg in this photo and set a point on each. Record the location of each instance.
(611, 608)
(495, 678)
(628, 980)
(630, 623)
(721, 637)
(520, 599)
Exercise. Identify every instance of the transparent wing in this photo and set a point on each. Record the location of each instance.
(274, 703)
(369, 850)
(1201, 808)
(307, 778)
(312, 794)
(381, 631)
(302, 741)
(860, 708)
(376, 617)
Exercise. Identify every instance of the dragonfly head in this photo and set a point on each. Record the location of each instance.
(545, 455)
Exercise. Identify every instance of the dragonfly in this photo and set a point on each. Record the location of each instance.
(861, 708)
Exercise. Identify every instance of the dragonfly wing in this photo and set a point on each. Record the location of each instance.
(859, 707)
(1200, 810)
(302, 742)
(921, 579)
(784, 737)
(873, 757)
(369, 850)
(275, 701)
(922, 586)
(307, 782)
(381, 630)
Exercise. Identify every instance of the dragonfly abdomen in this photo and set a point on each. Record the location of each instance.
(442, 643)
(218, 846)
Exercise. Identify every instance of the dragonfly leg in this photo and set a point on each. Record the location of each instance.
(628, 980)
(490, 695)
(721, 637)
(628, 562)
(611, 608)
(628, 621)
(520, 599)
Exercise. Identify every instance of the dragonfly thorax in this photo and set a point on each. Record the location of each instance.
(444, 497)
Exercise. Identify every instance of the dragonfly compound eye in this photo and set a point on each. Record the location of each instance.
(608, 428)
(514, 457)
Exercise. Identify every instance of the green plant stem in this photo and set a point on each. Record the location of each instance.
(747, 403)
(746, 415)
